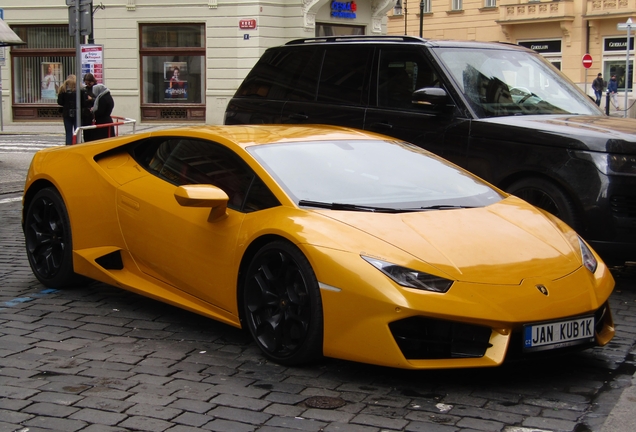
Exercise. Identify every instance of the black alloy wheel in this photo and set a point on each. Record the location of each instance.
(282, 305)
(47, 233)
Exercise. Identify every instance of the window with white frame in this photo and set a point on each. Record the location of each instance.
(457, 5)
(427, 6)
(490, 3)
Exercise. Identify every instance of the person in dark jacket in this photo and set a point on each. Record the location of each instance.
(66, 98)
(612, 89)
(598, 85)
(103, 105)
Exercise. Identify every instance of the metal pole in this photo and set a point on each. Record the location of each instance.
(91, 40)
(405, 18)
(421, 17)
(629, 27)
(78, 66)
(1, 101)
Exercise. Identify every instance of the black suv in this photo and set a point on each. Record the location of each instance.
(499, 110)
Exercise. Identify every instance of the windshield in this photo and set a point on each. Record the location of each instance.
(371, 173)
(500, 83)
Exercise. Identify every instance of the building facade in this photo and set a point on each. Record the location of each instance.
(561, 30)
(212, 44)
(163, 60)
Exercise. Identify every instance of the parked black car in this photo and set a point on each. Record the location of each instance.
(499, 110)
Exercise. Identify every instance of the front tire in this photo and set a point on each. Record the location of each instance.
(49, 247)
(548, 196)
(282, 305)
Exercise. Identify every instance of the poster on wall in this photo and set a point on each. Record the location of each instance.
(175, 81)
(51, 74)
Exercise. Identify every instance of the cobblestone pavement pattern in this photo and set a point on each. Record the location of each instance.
(99, 359)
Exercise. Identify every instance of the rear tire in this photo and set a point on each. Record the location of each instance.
(49, 247)
(548, 196)
(282, 306)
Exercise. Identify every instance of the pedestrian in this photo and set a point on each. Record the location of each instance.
(598, 85)
(612, 89)
(89, 82)
(66, 98)
(103, 105)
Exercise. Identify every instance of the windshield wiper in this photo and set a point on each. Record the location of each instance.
(445, 207)
(356, 207)
(352, 207)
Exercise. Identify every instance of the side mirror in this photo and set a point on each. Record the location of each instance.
(203, 196)
(430, 96)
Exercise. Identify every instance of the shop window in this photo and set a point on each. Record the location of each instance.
(338, 30)
(39, 67)
(617, 67)
(172, 71)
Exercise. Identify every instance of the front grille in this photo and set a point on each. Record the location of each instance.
(427, 338)
(622, 205)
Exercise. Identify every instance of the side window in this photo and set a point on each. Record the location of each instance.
(184, 161)
(400, 73)
(275, 75)
(345, 75)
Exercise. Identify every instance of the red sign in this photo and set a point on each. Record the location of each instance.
(587, 61)
(247, 24)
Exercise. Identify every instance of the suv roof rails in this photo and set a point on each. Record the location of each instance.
(335, 39)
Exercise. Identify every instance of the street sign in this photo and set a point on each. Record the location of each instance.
(587, 61)
(247, 24)
(624, 26)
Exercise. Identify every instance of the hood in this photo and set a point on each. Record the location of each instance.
(500, 244)
(581, 132)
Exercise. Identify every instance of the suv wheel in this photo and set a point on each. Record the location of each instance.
(548, 196)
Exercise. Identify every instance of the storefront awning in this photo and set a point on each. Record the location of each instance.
(7, 36)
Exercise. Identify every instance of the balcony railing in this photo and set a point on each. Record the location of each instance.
(511, 11)
(600, 8)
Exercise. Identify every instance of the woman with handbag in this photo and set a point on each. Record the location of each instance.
(66, 98)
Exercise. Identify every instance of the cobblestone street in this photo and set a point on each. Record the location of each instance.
(96, 358)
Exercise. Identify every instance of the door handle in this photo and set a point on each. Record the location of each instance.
(298, 116)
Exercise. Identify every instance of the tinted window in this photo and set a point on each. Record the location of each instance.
(184, 161)
(400, 73)
(501, 82)
(344, 75)
(276, 74)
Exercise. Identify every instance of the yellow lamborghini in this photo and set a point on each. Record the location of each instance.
(321, 241)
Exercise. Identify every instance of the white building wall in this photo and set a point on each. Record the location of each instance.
(229, 55)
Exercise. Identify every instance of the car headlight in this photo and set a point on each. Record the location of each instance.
(589, 261)
(410, 278)
(610, 164)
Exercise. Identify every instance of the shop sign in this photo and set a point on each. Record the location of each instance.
(344, 9)
(247, 24)
(618, 44)
(543, 47)
(92, 57)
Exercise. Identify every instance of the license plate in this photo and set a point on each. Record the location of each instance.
(558, 334)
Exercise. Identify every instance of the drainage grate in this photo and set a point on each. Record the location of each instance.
(324, 402)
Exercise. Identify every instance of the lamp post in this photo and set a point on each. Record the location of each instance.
(101, 6)
(421, 17)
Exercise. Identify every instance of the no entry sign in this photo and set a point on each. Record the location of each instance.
(587, 61)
